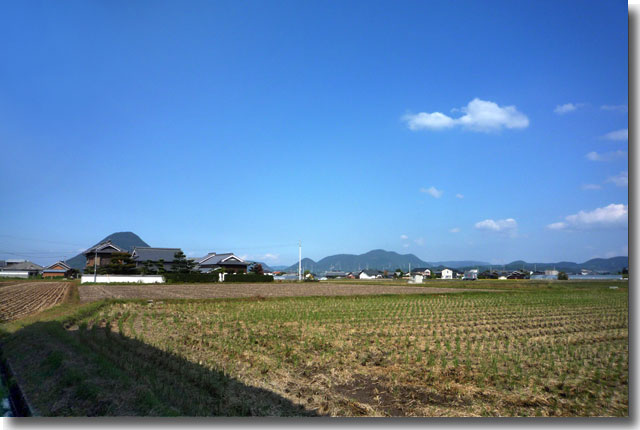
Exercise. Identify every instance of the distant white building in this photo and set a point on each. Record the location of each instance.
(471, 274)
(369, 274)
(447, 274)
(421, 271)
(417, 279)
(553, 272)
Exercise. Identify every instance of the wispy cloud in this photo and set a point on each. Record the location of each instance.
(591, 187)
(479, 115)
(460, 196)
(605, 156)
(404, 237)
(621, 179)
(617, 135)
(455, 230)
(419, 241)
(618, 108)
(612, 216)
(508, 225)
(271, 257)
(432, 191)
(568, 107)
(406, 245)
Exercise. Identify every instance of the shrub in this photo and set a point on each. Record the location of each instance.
(249, 277)
(563, 276)
(174, 277)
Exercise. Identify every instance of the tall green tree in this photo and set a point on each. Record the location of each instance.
(181, 264)
(160, 266)
(120, 264)
(257, 269)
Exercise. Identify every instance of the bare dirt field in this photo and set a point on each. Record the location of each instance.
(25, 298)
(89, 293)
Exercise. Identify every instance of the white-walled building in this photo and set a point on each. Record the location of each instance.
(369, 274)
(447, 274)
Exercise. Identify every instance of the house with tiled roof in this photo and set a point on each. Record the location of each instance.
(143, 254)
(100, 255)
(228, 261)
(59, 269)
(20, 269)
(370, 274)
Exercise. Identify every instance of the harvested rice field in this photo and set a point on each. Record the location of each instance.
(557, 351)
(18, 299)
(93, 292)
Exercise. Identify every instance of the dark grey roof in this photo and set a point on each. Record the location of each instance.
(143, 253)
(104, 247)
(27, 265)
(371, 272)
(335, 274)
(213, 259)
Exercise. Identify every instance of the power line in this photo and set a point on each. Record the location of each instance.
(41, 240)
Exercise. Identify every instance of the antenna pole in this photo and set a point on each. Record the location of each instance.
(299, 261)
(95, 265)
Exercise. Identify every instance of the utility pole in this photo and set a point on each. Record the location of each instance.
(299, 261)
(95, 265)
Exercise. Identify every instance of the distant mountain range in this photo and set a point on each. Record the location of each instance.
(376, 259)
(125, 240)
(386, 260)
(389, 260)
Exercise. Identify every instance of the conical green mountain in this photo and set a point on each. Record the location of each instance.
(124, 239)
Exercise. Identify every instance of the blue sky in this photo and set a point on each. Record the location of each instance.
(452, 130)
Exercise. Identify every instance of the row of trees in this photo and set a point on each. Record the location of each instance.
(122, 264)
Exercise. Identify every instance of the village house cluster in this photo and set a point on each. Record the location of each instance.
(147, 260)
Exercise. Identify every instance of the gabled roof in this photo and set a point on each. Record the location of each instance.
(335, 274)
(58, 263)
(146, 253)
(27, 265)
(104, 247)
(369, 272)
(227, 258)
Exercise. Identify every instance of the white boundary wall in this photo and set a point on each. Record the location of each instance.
(106, 279)
(14, 274)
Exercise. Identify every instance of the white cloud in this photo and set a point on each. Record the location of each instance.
(619, 108)
(617, 135)
(557, 226)
(455, 230)
(406, 245)
(434, 121)
(432, 191)
(606, 156)
(419, 241)
(271, 257)
(591, 187)
(621, 179)
(508, 224)
(612, 216)
(460, 196)
(479, 115)
(404, 237)
(568, 107)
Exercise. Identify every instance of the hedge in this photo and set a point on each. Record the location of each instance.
(249, 277)
(194, 277)
(172, 277)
